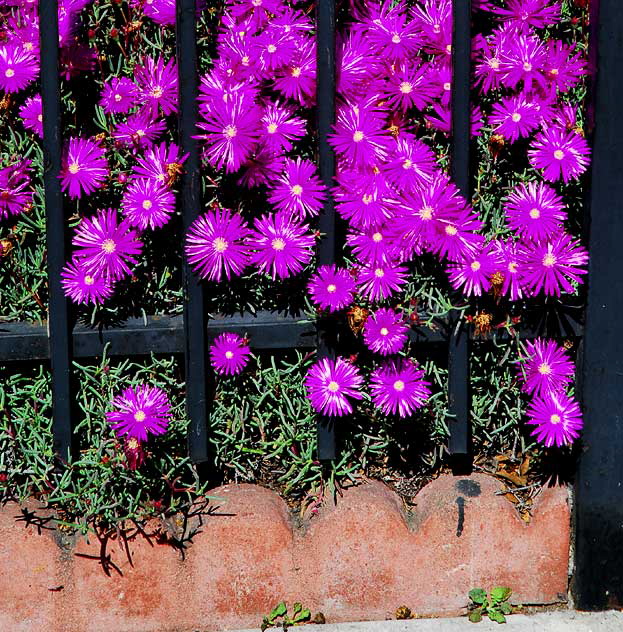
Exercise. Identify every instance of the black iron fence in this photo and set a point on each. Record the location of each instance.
(598, 580)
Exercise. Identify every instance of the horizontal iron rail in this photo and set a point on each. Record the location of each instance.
(165, 335)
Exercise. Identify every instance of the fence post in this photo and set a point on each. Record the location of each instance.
(59, 330)
(325, 97)
(598, 578)
(195, 330)
(458, 350)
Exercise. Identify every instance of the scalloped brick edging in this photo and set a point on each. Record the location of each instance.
(358, 560)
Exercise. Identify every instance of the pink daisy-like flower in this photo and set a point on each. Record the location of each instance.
(215, 245)
(360, 138)
(515, 117)
(18, 68)
(282, 245)
(561, 154)
(563, 67)
(552, 265)
(381, 281)
(229, 354)
(298, 191)
(472, 275)
(140, 411)
(15, 190)
(509, 266)
(281, 128)
(411, 164)
(82, 287)
(372, 246)
(297, 80)
(148, 204)
(32, 115)
(139, 130)
(557, 418)
(162, 163)
(157, 85)
(332, 288)
(399, 388)
(385, 331)
(535, 211)
(106, 246)
(535, 13)
(547, 369)
(84, 167)
(119, 95)
(523, 60)
(410, 86)
(363, 202)
(330, 383)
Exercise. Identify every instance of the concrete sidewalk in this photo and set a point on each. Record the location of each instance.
(559, 621)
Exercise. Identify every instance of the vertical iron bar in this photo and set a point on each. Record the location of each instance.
(598, 577)
(190, 198)
(58, 316)
(458, 359)
(325, 95)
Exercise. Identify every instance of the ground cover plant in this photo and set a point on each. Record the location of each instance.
(415, 249)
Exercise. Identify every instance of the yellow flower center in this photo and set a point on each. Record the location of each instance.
(40, 118)
(278, 244)
(140, 416)
(549, 260)
(377, 237)
(331, 288)
(426, 212)
(140, 133)
(230, 131)
(9, 72)
(516, 117)
(358, 136)
(296, 189)
(535, 213)
(545, 369)
(475, 266)
(74, 167)
(396, 38)
(229, 354)
(109, 246)
(117, 97)
(399, 385)
(554, 71)
(451, 230)
(271, 48)
(89, 280)
(447, 86)
(272, 128)
(379, 273)
(555, 419)
(147, 204)
(494, 63)
(333, 386)
(157, 92)
(366, 199)
(296, 72)
(406, 87)
(527, 66)
(220, 244)
(407, 164)
(512, 267)
(384, 331)
(559, 154)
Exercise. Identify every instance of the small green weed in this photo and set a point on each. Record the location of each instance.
(494, 605)
(280, 617)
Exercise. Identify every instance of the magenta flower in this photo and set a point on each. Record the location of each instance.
(560, 153)
(118, 95)
(32, 115)
(330, 384)
(372, 246)
(15, 191)
(393, 35)
(282, 245)
(162, 163)
(140, 411)
(381, 281)
(399, 387)
(297, 80)
(362, 201)
(215, 245)
(332, 288)
(456, 239)
(552, 265)
(563, 67)
(82, 287)
(360, 138)
(410, 86)
(535, 13)
(147, 203)
(229, 354)
(160, 11)
(535, 211)
(509, 266)
(472, 275)
(523, 60)
(281, 128)
(515, 117)
(139, 130)
(157, 85)
(298, 191)
(106, 247)
(84, 167)
(410, 164)
(547, 368)
(557, 418)
(18, 68)
(385, 331)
